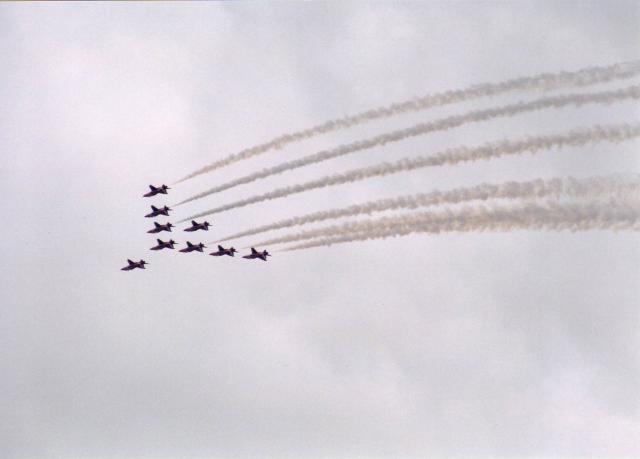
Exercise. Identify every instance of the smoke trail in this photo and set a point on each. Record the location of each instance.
(545, 81)
(614, 133)
(383, 222)
(548, 216)
(556, 187)
(604, 97)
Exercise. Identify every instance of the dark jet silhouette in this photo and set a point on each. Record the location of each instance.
(158, 227)
(156, 190)
(222, 251)
(134, 264)
(164, 245)
(163, 211)
(255, 254)
(192, 247)
(195, 226)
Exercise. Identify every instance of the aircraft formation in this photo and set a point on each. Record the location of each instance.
(559, 203)
(191, 247)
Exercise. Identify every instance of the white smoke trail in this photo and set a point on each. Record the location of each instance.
(556, 187)
(604, 97)
(578, 137)
(382, 222)
(545, 81)
(614, 215)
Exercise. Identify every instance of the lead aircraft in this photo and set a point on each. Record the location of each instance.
(134, 264)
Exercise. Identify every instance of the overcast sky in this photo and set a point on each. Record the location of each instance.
(521, 344)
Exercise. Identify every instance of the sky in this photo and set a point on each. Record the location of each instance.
(521, 344)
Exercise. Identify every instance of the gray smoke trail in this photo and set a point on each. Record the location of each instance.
(383, 222)
(578, 137)
(556, 187)
(604, 97)
(548, 216)
(545, 81)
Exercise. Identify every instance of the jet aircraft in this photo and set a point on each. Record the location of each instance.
(195, 226)
(156, 190)
(158, 227)
(255, 254)
(155, 211)
(193, 247)
(222, 251)
(164, 245)
(134, 264)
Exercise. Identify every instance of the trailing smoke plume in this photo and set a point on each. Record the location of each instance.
(614, 215)
(367, 225)
(545, 81)
(534, 189)
(578, 137)
(604, 97)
